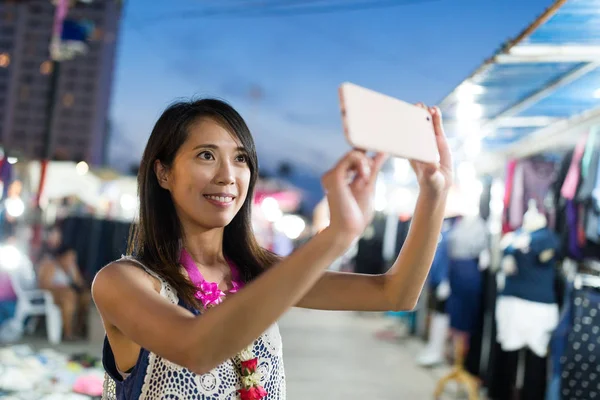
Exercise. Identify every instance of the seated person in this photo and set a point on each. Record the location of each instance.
(53, 240)
(59, 273)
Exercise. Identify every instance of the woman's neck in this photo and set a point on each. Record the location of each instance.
(205, 246)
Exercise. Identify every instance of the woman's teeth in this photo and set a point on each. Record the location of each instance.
(221, 199)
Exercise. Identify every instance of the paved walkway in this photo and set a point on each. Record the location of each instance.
(333, 355)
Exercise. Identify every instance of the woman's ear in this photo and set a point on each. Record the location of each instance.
(162, 174)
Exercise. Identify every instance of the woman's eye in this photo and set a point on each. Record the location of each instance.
(242, 158)
(206, 155)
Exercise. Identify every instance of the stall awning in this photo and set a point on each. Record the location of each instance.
(548, 75)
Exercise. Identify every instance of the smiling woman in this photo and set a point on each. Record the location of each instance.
(191, 312)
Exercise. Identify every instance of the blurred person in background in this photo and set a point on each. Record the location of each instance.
(192, 311)
(51, 243)
(59, 273)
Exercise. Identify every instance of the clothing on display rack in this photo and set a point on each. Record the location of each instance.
(526, 310)
(576, 198)
(581, 364)
(438, 286)
(528, 179)
(482, 340)
(104, 241)
(440, 267)
(466, 241)
(394, 235)
(369, 254)
(401, 234)
(575, 345)
(533, 254)
(508, 188)
(485, 198)
(534, 314)
(521, 369)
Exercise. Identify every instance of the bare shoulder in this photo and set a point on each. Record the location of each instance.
(116, 277)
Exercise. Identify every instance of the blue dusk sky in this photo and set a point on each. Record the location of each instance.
(281, 69)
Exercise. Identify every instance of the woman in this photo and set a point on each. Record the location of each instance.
(169, 332)
(59, 273)
(51, 243)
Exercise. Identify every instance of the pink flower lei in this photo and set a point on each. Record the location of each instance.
(210, 295)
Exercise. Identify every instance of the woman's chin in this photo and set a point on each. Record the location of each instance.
(215, 222)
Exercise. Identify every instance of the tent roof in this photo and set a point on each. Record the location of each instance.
(548, 74)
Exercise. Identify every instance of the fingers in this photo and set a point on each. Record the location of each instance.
(356, 162)
(378, 160)
(440, 135)
(442, 142)
(353, 163)
(436, 116)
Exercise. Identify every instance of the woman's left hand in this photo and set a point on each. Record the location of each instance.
(435, 178)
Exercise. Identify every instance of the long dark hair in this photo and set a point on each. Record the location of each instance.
(156, 238)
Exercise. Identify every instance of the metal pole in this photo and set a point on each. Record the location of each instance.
(50, 108)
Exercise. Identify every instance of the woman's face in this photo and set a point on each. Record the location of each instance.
(209, 177)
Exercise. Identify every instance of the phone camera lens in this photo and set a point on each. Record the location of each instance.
(428, 119)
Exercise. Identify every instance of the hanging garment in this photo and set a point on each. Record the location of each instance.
(589, 169)
(506, 383)
(581, 214)
(592, 225)
(596, 197)
(464, 303)
(525, 324)
(571, 231)
(441, 263)
(538, 176)
(559, 204)
(535, 277)
(587, 192)
(580, 378)
(485, 199)
(517, 198)
(510, 172)
(477, 359)
(586, 160)
(369, 256)
(558, 344)
(569, 187)
(468, 238)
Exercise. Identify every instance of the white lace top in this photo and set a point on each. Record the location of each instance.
(154, 377)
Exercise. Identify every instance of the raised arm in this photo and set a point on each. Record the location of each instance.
(132, 305)
(399, 289)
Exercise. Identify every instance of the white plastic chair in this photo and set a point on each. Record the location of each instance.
(33, 302)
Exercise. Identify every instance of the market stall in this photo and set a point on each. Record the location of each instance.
(528, 119)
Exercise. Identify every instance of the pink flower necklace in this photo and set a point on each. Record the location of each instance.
(210, 295)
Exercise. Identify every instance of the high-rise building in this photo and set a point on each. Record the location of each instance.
(80, 104)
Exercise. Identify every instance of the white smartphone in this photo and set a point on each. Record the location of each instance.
(377, 122)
